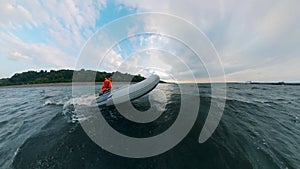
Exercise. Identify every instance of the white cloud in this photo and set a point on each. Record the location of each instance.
(66, 26)
(111, 61)
(12, 15)
(189, 9)
(278, 71)
(168, 66)
(249, 35)
(18, 56)
(40, 54)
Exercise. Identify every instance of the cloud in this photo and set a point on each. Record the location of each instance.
(161, 55)
(59, 30)
(13, 15)
(285, 70)
(18, 56)
(111, 61)
(41, 55)
(68, 23)
(248, 35)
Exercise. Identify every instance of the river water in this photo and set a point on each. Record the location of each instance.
(260, 128)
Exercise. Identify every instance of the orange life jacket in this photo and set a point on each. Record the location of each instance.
(106, 85)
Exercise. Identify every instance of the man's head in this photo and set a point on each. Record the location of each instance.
(110, 78)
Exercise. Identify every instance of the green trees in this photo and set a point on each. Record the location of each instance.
(60, 76)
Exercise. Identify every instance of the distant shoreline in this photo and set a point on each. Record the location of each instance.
(64, 77)
(56, 84)
(277, 83)
(49, 84)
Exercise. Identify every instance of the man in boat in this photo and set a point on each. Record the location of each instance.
(106, 86)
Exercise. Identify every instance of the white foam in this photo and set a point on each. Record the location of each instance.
(83, 100)
(52, 102)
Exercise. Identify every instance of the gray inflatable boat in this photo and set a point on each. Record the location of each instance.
(128, 93)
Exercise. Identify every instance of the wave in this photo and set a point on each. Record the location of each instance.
(83, 100)
(3, 123)
(254, 132)
(44, 144)
(53, 102)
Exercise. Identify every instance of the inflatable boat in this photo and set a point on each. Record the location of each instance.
(128, 93)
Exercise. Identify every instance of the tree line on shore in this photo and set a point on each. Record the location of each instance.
(63, 76)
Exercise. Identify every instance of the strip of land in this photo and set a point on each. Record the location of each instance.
(48, 84)
(277, 83)
(64, 77)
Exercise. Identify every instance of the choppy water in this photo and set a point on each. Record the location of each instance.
(260, 128)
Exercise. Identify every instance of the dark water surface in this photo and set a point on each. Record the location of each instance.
(260, 128)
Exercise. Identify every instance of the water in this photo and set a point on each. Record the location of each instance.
(260, 128)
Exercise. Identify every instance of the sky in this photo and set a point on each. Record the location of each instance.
(253, 40)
